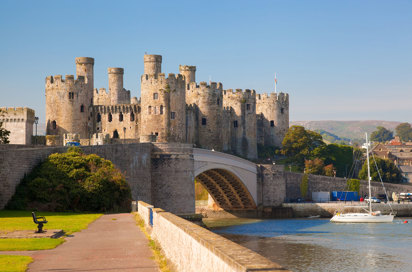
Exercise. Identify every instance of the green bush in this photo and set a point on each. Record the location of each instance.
(353, 185)
(73, 181)
(304, 185)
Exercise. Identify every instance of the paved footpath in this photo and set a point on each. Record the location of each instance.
(106, 245)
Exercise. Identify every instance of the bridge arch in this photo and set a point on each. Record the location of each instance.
(230, 180)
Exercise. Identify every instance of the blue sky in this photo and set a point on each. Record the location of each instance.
(338, 60)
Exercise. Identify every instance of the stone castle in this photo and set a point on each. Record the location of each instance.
(171, 109)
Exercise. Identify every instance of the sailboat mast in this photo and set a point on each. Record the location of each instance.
(369, 172)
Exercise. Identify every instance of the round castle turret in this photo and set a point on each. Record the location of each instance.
(163, 103)
(68, 101)
(273, 118)
(208, 99)
(115, 85)
(152, 64)
(189, 72)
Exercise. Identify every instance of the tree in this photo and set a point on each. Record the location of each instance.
(353, 185)
(315, 167)
(73, 181)
(4, 133)
(329, 170)
(299, 143)
(381, 135)
(340, 156)
(387, 169)
(404, 131)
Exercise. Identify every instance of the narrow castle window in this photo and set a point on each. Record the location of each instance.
(131, 116)
(282, 110)
(54, 125)
(115, 134)
(82, 108)
(235, 123)
(99, 117)
(247, 106)
(121, 117)
(218, 101)
(157, 133)
(71, 95)
(272, 123)
(110, 117)
(204, 121)
(155, 96)
(149, 109)
(161, 109)
(172, 115)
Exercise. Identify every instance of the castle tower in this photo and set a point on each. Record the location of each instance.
(152, 64)
(208, 99)
(84, 67)
(115, 85)
(69, 100)
(189, 73)
(163, 103)
(273, 118)
(242, 105)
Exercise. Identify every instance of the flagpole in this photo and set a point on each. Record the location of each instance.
(276, 81)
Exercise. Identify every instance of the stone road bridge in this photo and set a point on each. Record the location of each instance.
(158, 173)
(230, 180)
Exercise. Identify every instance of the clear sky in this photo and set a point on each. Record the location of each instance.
(338, 60)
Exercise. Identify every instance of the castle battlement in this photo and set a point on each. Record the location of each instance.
(59, 81)
(272, 98)
(16, 114)
(204, 87)
(239, 94)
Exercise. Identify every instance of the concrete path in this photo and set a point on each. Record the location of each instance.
(112, 243)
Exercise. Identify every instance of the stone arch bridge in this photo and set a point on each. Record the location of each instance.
(162, 174)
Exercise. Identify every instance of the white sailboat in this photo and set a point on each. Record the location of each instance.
(368, 216)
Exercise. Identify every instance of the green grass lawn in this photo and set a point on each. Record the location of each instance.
(12, 263)
(22, 220)
(29, 244)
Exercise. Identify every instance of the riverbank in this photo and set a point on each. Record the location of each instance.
(327, 210)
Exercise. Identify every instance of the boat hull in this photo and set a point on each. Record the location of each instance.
(361, 218)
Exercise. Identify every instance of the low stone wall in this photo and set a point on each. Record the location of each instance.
(328, 209)
(193, 248)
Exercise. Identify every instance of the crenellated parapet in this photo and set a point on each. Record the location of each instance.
(58, 82)
(16, 114)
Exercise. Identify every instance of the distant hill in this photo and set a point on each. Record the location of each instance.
(353, 130)
(331, 138)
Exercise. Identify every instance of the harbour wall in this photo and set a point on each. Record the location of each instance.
(192, 248)
(328, 209)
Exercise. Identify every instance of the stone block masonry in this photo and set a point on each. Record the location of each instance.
(192, 248)
(133, 160)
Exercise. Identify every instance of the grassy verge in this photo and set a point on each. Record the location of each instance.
(12, 263)
(29, 244)
(22, 220)
(159, 258)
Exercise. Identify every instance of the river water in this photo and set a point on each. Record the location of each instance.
(318, 245)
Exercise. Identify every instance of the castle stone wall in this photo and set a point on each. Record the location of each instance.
(19, 121)
(133, 160)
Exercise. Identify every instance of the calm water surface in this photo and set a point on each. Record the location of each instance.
(318, 245)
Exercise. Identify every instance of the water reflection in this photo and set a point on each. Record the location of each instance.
(317, 245)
